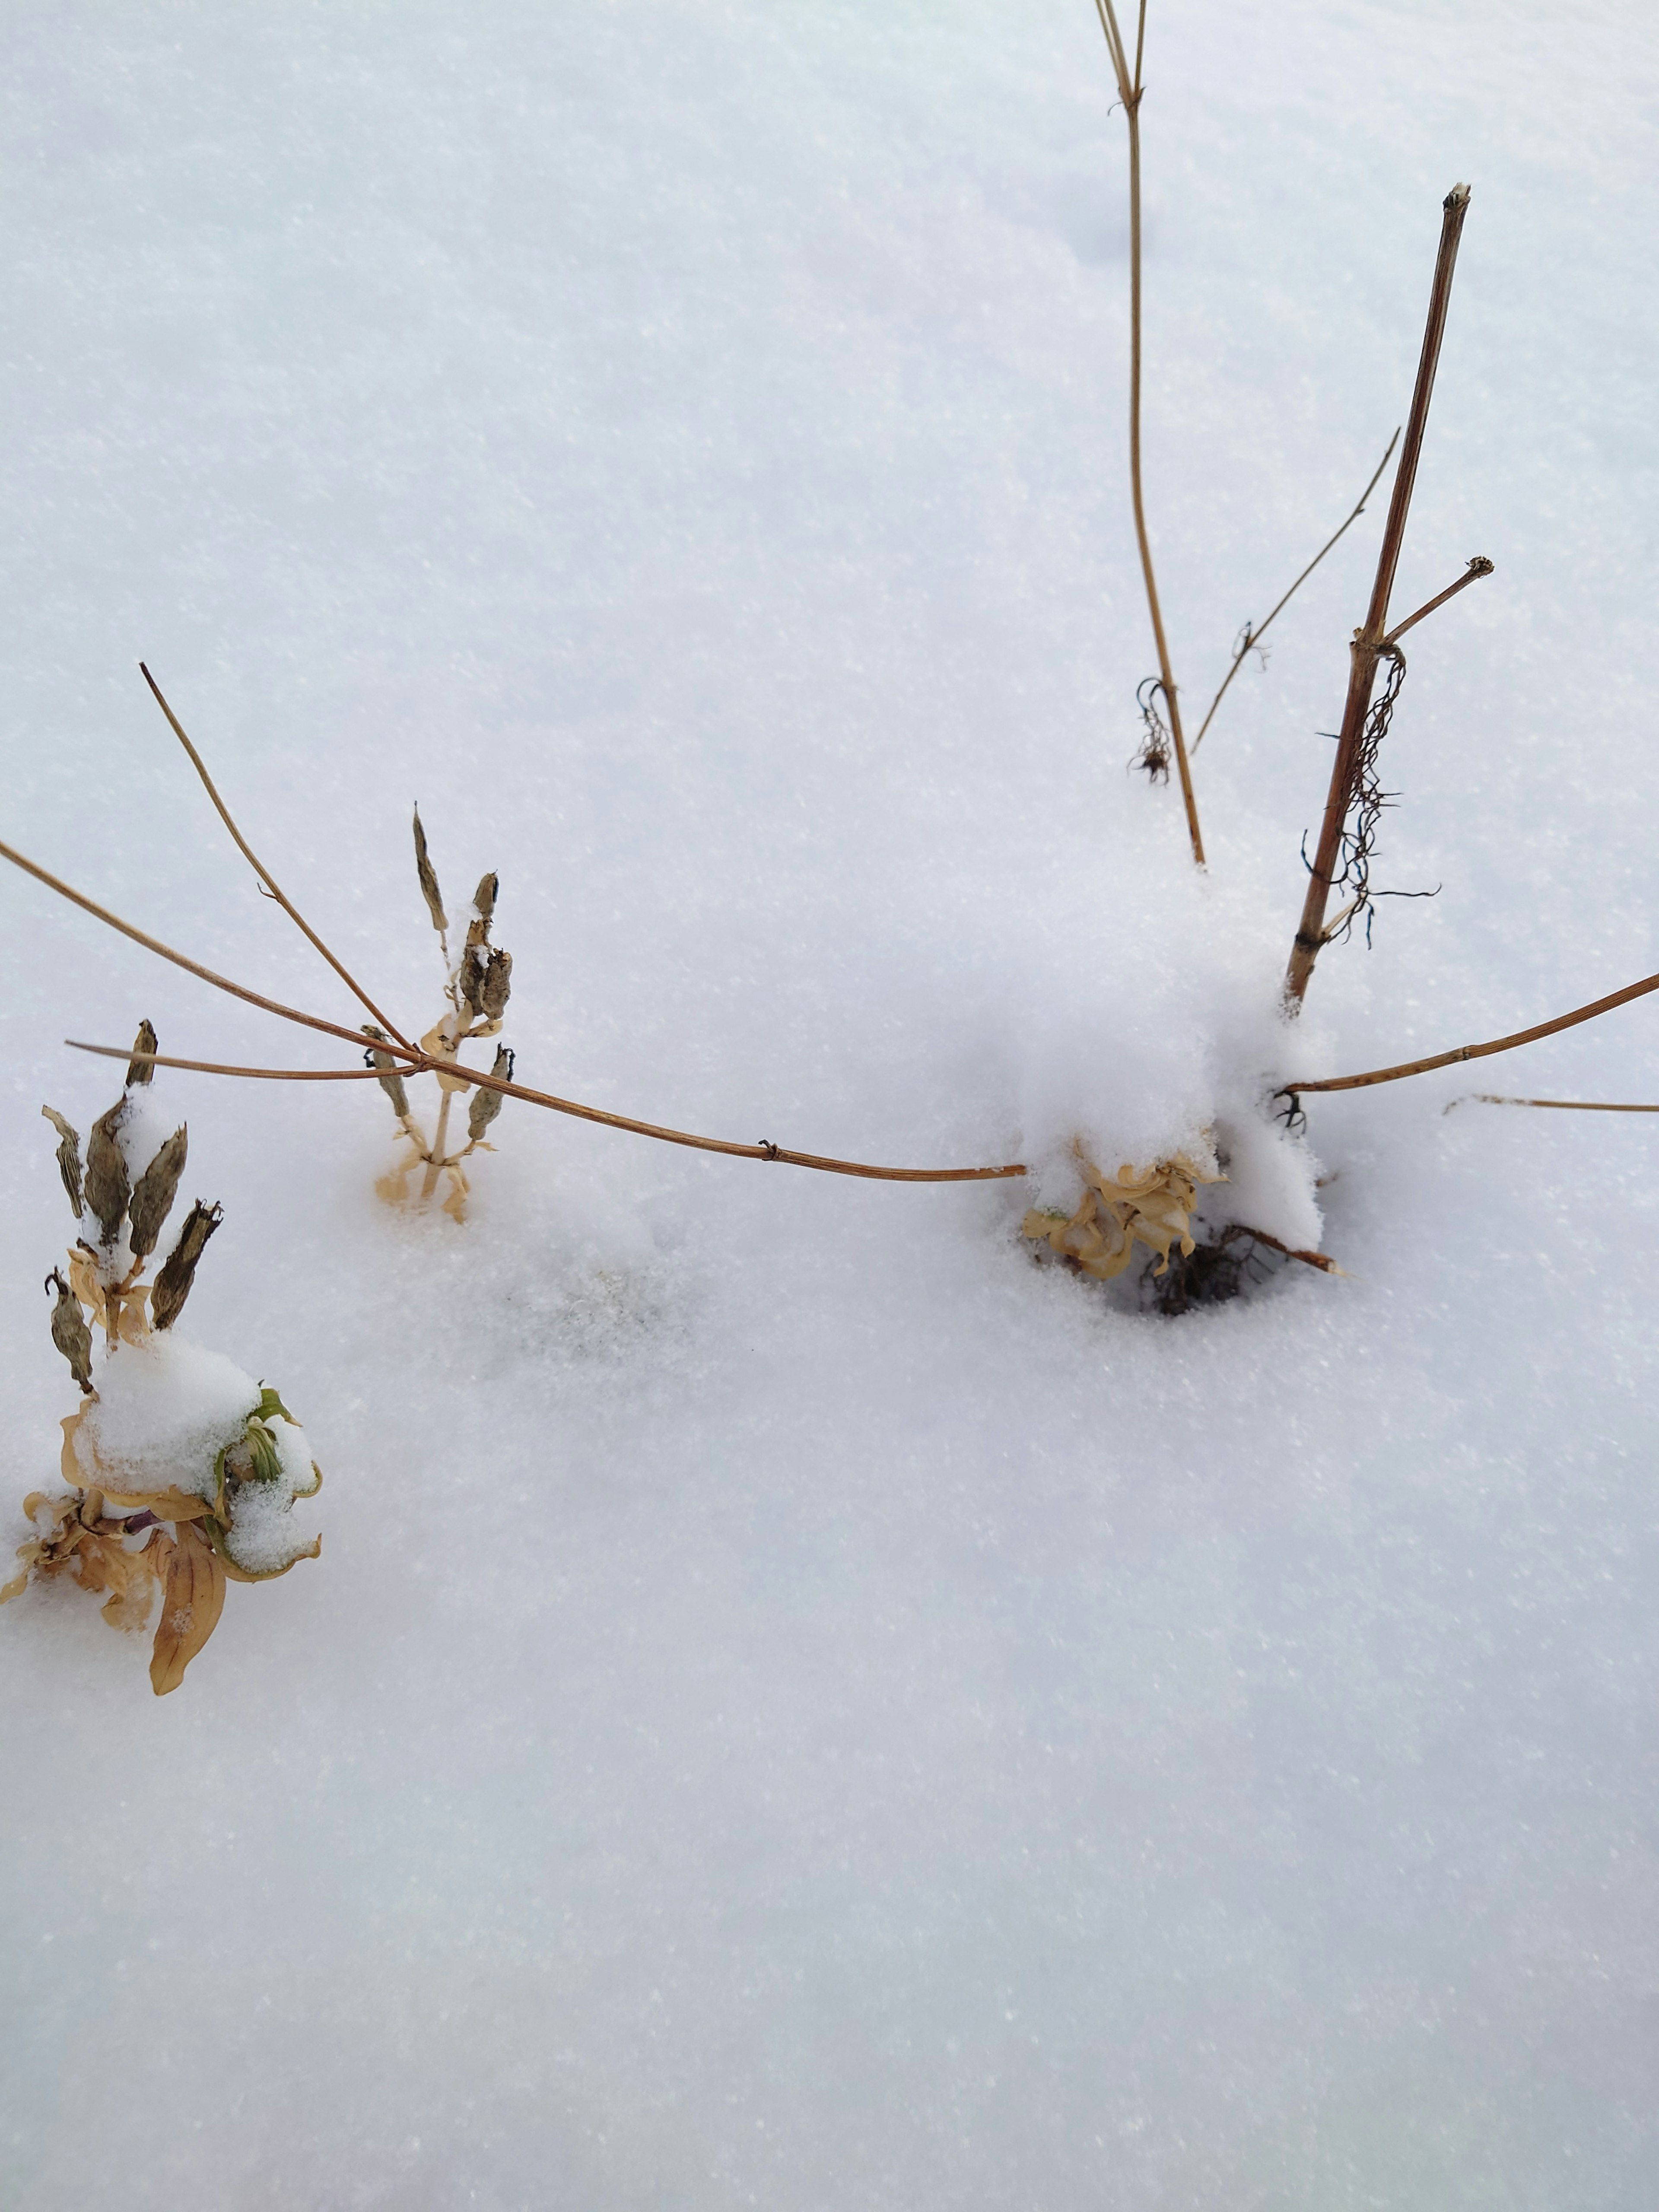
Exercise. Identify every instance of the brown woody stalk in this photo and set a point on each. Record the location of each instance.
(1130, 91)
(1474, 1051)
(1372, 636)
(1563, 1105)
(1255, 632)
(419, 1064)
(259, 865)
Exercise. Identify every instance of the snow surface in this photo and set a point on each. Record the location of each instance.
(800, 1705)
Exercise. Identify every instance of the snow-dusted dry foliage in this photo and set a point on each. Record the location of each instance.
(807, 1700)
(182, 1471)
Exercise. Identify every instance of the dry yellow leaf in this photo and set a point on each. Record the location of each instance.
(191, 1602)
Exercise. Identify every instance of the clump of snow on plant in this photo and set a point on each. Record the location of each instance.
(165, 1410)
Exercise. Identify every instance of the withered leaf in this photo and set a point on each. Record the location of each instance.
(107, 1184)
(192, 1601)
(158, 1185)
(142, 1071)
(172, 1284)
(428, 874)
(70, 1332)
(69, 1157)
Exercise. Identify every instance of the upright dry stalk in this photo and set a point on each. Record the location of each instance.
(1371, 639)
(1130, 90)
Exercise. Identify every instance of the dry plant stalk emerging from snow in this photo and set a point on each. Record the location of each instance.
(230, 1456)
(476, 986)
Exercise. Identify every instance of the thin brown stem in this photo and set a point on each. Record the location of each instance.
(259, 867)
(1477, 568)
(435, 1161)
(421, 1066)
(1477, 1051)
(1562, 1105)
(1370, 638)
(1255, 632)
(191, 967)
(1130, 91)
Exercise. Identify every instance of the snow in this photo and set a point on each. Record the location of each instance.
(800, 1705)
(164, 1409)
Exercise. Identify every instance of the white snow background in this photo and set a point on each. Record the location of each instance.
(799, 1707)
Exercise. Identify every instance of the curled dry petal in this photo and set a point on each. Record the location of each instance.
(158, 1185)
(69, 1157)
(107, 1185)
(1153, 1207)
(172, 1284)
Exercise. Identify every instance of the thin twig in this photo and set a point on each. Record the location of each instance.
(1255, 632)
(1130, 91)
(1562, 1105)
(1370, 638)
(1477, 568)
(191, 967)
(1322, 1260)
(259, 867)
(422, 1066)
(1476, 1051)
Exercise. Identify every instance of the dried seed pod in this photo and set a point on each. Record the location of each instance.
(70, 1332)
(487, 1104)
(173, 1284)
(428, 874)
(69, 1157)
(496, 986)
(390, 1082)
(107, 1184)
(158, 1185)
(471, 977)
(142, 1071)
(483, 900)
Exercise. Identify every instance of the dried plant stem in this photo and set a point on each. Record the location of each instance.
(1370, 639)
(1477, 568)
(435, 1161)
(1562, 1105)
(1476, 1051)
(259, 867)
(1255, 632)
(191, 967)
(1130, 91)
(419, 1065)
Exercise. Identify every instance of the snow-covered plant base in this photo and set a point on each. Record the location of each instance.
(184, 1470)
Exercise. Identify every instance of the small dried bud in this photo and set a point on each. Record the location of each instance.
(496, 985)
(158, 1185)
(483, 900)
(390, 1082)
(167, 1300)
(69, 1157)
(428, 874)
(108, 1186)
(487, 1104)
(70, 1332)
(142, 1071)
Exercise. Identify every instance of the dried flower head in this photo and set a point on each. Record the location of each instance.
(158, 1185)
(487, 1104)
(173, 1284)
(390, 1081)
(70, 1332)
(429, 877)
(142, 1071)
(107, 1185)
(496, 985)
(1153, 1207)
